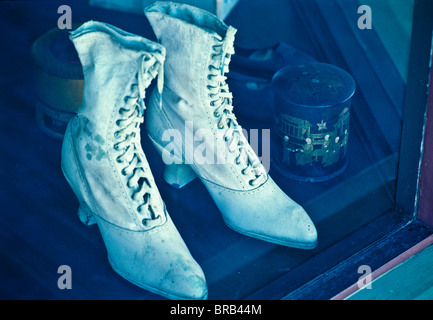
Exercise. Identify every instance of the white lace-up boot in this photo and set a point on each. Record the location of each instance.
(104, 164)
(194, 113)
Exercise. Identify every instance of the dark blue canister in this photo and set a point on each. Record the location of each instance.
(312, 115)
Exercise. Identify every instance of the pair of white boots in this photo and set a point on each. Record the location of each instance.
(104, 163)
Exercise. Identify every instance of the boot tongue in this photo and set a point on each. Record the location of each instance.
(160, 79)
(152, 64)
(227, 47)
(160, 76)
(229, 39)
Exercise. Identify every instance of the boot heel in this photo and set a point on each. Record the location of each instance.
(179, 175)
(176, 175)
(85, 215)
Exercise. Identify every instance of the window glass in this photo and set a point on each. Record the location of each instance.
(369, 41)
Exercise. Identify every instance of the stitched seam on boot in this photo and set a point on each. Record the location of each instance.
(109, 137)
(233, 169)
(193, 166)
(154, 229)
(244, 192)
(210, 113)
(168, 123)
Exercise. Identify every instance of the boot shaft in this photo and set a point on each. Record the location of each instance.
(199, 47)
(192, 34)
(103, 142)
(111, 59)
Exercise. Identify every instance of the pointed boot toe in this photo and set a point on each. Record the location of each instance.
(265, 213)
(185, 283)
(156, 260)
(301, 233)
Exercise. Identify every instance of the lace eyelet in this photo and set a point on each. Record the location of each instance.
(117, 123)
(116, 147)
(220, 125)
(216, 114)
(251, 183)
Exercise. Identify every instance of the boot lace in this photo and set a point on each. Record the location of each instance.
(223, 109)
(128, 142)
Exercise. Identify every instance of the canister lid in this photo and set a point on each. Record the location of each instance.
(313, 84)
(54, 53)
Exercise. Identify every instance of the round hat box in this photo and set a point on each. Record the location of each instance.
(311, 133)
(58, 81)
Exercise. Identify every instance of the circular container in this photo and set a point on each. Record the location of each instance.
(312, 105)
(58, 81)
